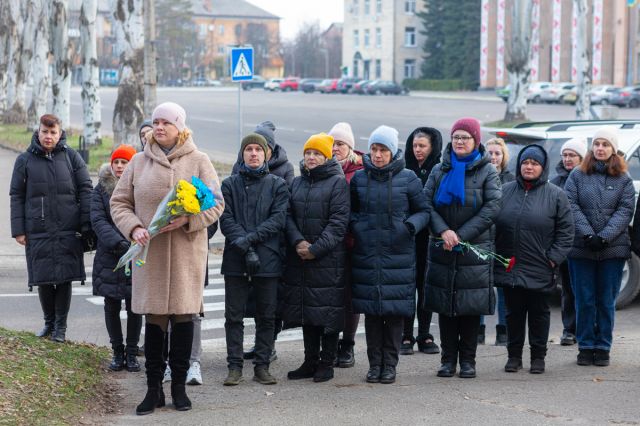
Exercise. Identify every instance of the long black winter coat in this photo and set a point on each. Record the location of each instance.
(111, 243)
(50, 202)
(460, 283)
(255, 206)
(602, 205)
(313, 290)
(535, 226)
(279, 165)
(383, 202)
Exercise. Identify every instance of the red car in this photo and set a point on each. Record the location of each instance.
(329, 86)
(290, 84)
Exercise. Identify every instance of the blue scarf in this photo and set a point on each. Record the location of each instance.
(452, 186)
(255, 172)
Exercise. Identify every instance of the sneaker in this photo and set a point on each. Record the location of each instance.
(167, 374)
(585, 357)
(261, 375)
(406, 348)
(194, 375)
(568, 339)
(537, 366)
(600, 358)
(513, 365)
(233, 378)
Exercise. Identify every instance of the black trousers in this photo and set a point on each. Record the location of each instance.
(236, 293)
(318, 345)
(459, 338)
(112, 309)
(384, 335)
(522, 303)
(568, 300)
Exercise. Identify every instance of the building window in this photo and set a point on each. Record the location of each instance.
(378, 68)
(378, 37)
(203, 30)
(410, 6)
(409, 68)
(410, 37)
(378, 6)
(367, 7)
(356, 38)
(366, 38)
(365, 71)
(355, 67)
(355, 7)
(221, 29)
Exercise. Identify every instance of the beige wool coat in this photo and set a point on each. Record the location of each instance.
(172, 280)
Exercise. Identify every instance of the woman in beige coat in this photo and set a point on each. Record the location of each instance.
(169, 286)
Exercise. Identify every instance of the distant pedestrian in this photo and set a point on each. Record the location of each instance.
(602, 198)
(499, 155)
(573, 152)
(312, 295)
(463, 193)
(50, 202)
(423, 152)
(344, 151)
(388, 209)
(535, 225)
(146, 129)
(114, 286)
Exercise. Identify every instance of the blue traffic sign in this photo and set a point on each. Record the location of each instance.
(241, 63)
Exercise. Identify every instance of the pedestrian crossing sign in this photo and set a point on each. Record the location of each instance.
(241, 64)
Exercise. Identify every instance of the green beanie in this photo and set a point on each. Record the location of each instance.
(254, 138)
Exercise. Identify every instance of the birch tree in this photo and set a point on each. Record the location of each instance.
(519, 66)
(4, 53)
(128, 111)
(39, 65)
(92, 117)
(61, 80)
(15, 73)
(583, 66)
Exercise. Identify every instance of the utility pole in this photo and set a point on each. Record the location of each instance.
(150, 72)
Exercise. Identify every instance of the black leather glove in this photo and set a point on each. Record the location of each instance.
(88, 239)
(252, 261)
(241, 244)
(595, 243)
(122, 247)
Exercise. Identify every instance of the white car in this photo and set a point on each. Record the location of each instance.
(273, 84)
(556, 92)
(601, 94)
(534, 94)
(552, 135)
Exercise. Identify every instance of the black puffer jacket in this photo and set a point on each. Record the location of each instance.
(50, 203)
(562, 174)
(602, 205)
(460, 283)
(111, 243)
(385, 203)
(313, 290)
(255, 207)
(279, 164)
(535, 226)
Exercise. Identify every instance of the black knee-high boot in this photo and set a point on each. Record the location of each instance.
(180, 344)
(154, 365)
(47, 296)
(62, 305)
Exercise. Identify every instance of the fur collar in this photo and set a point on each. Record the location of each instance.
(107, 179)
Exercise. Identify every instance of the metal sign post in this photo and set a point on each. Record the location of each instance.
(241, 70)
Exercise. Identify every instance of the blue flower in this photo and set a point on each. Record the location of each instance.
(203, 193)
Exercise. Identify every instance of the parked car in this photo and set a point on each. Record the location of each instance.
(601, 94)
(504, 92)
(556, 93)
(385, 87)
(534, 93)
(552, 135)
(205, 82)
(310, 85)
(360, 87)
(328, 86)
(257, 82)
(290, 84)
(273, 84)
(174, 82)
(627, 96)
(346, 84)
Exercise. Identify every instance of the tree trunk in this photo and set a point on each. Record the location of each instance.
(40, 66)
(150, 72)
(4, 53)
(92, 116)
(15, 112)
(128, 111)
(519, 66)
(583, 66)
(61, 81)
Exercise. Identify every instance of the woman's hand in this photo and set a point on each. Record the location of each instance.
(141, 236)
(22, 240)
(176, 223)
(450, 239)
(302, 248)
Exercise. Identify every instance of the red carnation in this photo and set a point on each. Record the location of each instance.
(512, 263)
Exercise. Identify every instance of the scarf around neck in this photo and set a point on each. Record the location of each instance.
(452, 186)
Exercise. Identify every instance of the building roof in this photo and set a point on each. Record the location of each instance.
(229, 9)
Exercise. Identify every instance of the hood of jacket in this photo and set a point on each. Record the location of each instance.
(107, 179)
(446, 159)
(387, 172)
(323, 171)
(434, 158)
(560, 170)
(37, 149)
(544, 177)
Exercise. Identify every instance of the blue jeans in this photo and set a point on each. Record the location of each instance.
(596, 284)
(502, 309)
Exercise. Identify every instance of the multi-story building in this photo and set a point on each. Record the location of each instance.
(614, 46)
(381, 39)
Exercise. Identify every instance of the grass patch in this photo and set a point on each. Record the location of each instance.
(42, 382)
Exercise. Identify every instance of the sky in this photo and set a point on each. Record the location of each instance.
(296, 12)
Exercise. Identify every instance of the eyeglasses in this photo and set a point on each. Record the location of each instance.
(569, 155)
(463, 139)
